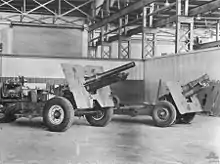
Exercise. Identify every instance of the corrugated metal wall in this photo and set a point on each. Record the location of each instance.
(50, 67)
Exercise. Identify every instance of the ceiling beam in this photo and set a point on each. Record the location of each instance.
(199, 3)
(124, 36)
(205, 8)
(138, 5)
(165, 21)
(193, 12)
(130, 33)
(162, 9)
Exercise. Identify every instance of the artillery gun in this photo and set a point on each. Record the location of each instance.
(184, 99)
(178, 105)
(87, 93)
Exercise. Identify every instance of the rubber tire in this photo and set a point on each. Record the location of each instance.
(187, 118)
(68, 114)
(8, 119)
(169, 98)
(108, 114)
(171, 110)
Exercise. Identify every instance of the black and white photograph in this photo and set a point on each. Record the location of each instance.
(109, 82)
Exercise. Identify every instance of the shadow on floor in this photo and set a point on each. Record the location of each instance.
(38, 123)
(34, 123)
(134, 120)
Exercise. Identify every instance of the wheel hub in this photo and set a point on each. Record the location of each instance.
(99, 115)
(163, 113)
(56, 114)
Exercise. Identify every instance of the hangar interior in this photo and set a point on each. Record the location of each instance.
(169, 40)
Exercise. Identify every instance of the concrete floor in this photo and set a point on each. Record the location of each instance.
(125, 140)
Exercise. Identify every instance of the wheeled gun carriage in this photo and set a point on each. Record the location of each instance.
(87, 93)
(178, 105)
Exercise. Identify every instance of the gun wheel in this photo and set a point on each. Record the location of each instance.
(164, 114)
(103, 117)
(58, 114)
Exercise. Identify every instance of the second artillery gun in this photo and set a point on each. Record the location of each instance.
(87, 93)
(178, 104)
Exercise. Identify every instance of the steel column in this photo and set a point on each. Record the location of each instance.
(148, 35)
(178, 7)
(106, 50)
(151, 16)
(144, 25)
(177, 36)
(123, 41)
(217, 30)
(149, 45)
(119, 37)
(184, 34)
(184, 28)
(186, 5)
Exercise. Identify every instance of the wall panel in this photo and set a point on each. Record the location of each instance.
(48, 41)
(50, 67)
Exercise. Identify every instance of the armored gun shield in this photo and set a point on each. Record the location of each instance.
(76, 78)
(183, 104)
(185, 96)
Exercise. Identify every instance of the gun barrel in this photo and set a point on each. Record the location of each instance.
(110, 72)
(100, 83)
(193, 91)
(193, 83)
(195, 86)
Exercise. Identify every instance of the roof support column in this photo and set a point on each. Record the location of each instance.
(184, 28)
(123, 42)
(217, 30)
(149, 35)
(186, 9)
(184, 34)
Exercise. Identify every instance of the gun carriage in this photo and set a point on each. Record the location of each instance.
(87, 93)
(178, 104)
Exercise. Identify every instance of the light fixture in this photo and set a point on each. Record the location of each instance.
(167, 3)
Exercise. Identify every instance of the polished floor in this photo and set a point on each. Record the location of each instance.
(125, 140)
